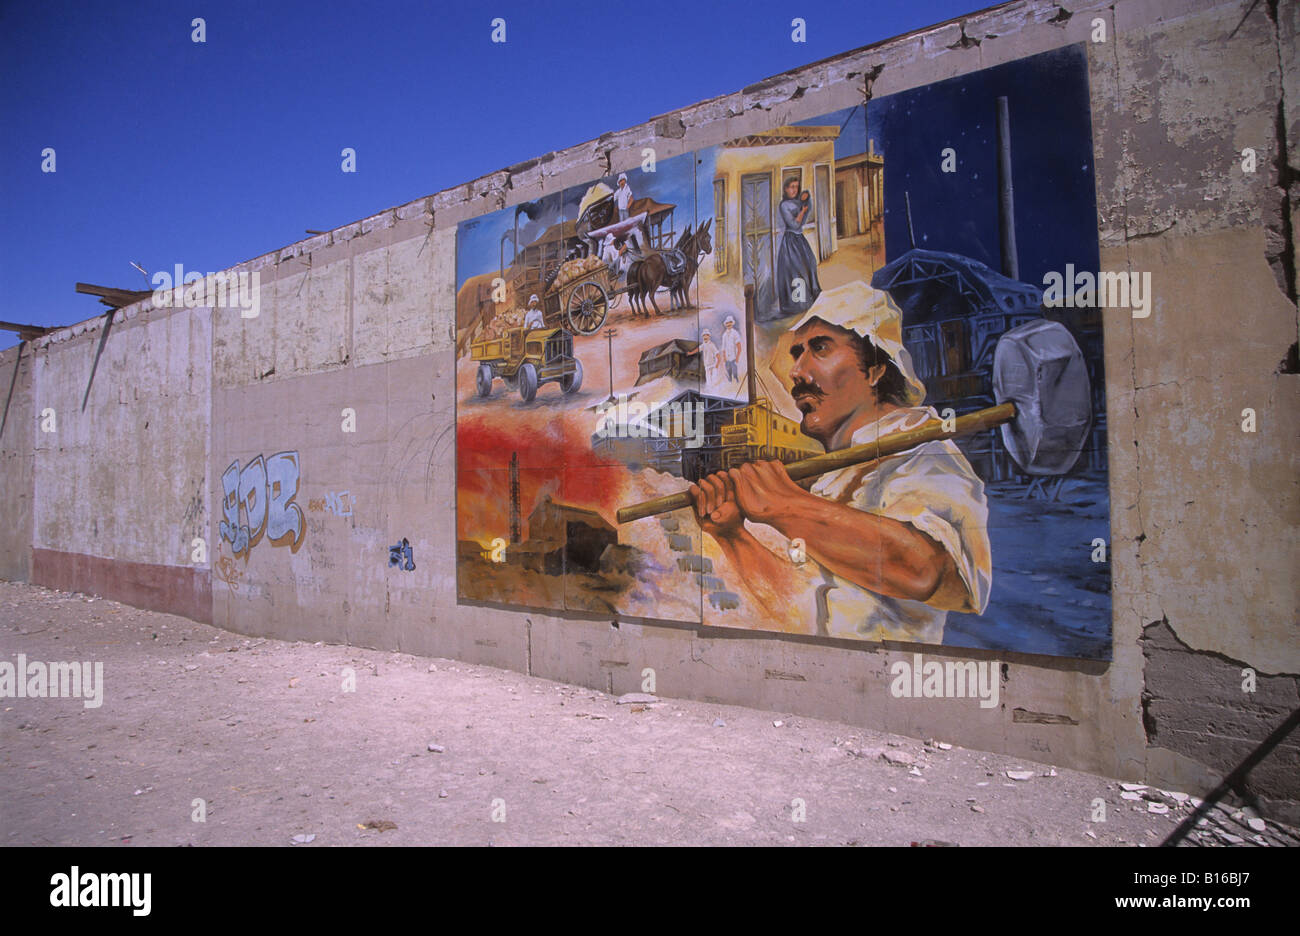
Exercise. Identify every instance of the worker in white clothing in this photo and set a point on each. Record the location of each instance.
(731, 345)
(533, 314)
(884, 549)
(623, 197)
(711, 358)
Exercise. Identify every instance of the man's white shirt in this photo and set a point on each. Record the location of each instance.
(731, 344)
(933, 488)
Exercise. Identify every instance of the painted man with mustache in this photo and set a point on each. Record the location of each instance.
(891, 547)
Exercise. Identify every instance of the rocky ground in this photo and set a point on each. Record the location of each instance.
(275, 743)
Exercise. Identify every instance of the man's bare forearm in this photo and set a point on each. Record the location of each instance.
(880, 554)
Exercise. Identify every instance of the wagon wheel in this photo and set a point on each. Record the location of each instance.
(587, 306)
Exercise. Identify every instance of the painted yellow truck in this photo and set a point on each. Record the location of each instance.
(525, 359)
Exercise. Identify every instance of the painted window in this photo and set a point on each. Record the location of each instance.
(720, 225)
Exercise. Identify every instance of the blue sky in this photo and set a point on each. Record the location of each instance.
(169, 151)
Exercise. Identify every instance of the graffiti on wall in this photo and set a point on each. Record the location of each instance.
(339, 503)
(229, 571)
(804, 381)
(402, 555)
(258, 502)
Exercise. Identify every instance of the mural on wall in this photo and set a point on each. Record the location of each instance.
(261, 495)
(803, 381)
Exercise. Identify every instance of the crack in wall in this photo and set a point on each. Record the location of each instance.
(1286, 174)
(1148, 723)
(965, 41)
(1180, 381)
(1063, 16)
(1190, 705)
(1217, 655)
(1283, 262)
(869, 80)
(1145, 234)
(1133, 378)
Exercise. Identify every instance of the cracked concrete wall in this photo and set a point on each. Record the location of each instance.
(1204, 515)
(1194, 704)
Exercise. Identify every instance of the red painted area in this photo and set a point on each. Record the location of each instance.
(182, 590)
(542, 439)
(555, 458)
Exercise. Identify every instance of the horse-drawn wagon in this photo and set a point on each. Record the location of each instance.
(582, 292)
(605, 256)
(586, 288)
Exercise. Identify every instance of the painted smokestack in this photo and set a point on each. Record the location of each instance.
(749, 344)
(515, 532)
(1006, 194)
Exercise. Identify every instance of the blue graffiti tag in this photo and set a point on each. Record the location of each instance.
(339, 504)
(264, 491)
(401, 551)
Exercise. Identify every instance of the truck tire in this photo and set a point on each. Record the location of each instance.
(527, 382)
(484, 380)
(570, 383)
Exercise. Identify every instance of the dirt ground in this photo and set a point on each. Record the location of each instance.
(265, 735)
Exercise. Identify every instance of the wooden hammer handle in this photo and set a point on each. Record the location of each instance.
(929, 431)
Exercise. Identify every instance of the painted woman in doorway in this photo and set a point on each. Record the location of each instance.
(796, 267)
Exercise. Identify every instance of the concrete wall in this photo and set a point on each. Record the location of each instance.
(18, 427)
(120, 458)
(1204, 515)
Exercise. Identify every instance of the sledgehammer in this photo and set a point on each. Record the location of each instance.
(1040, 379)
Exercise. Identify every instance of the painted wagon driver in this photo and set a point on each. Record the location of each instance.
(891, 548)
(533, 314)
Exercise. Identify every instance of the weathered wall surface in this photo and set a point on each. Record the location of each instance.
(122, 488)
(1204, 515)
(17, 478)
(1205, 524)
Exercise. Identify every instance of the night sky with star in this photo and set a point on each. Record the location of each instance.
(1051, 163)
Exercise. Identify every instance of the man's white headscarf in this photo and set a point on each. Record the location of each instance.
(872, 314)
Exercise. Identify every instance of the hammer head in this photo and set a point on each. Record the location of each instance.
(1039, 367)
